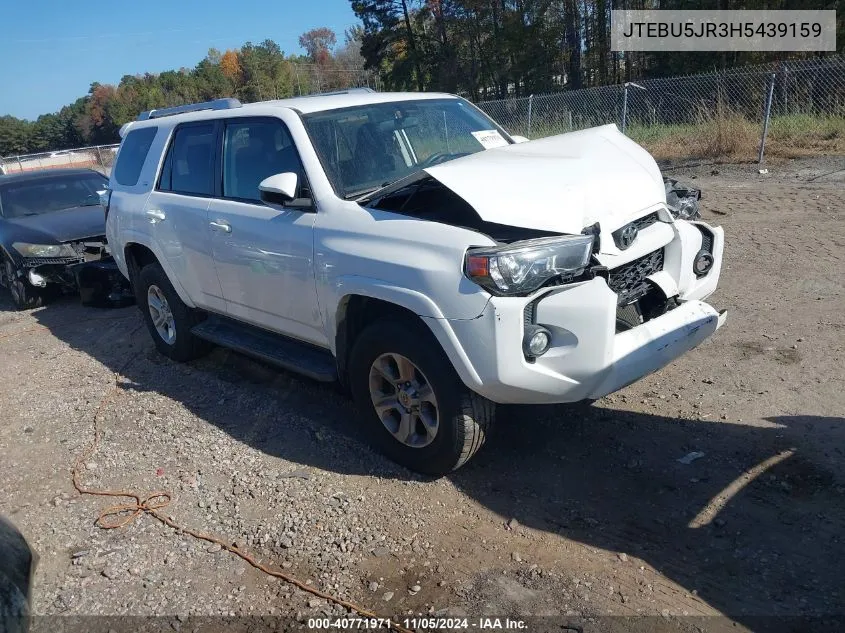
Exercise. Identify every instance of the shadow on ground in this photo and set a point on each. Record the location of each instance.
(754, 526)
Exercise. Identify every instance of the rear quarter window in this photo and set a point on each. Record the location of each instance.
(133, 153)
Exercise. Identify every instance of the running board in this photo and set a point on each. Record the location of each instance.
(268, 347)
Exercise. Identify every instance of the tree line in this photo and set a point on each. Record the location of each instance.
(482, 49)
(253, 72)
(493, 49)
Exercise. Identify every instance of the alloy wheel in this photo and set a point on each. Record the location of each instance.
(404, 400)
(15, 284)
(161, 314)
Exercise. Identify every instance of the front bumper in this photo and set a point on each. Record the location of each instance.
(60, 270)
(587, 358)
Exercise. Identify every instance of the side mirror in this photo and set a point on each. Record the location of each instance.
(279, 189)
(519, 139)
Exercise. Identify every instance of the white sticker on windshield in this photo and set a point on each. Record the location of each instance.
(490, 139)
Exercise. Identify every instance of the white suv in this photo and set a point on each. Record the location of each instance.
(407, 246)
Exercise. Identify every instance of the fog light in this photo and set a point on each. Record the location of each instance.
(536, 341)
(36, 280)
(702, 264)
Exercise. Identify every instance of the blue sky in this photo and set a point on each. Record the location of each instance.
(52, 50)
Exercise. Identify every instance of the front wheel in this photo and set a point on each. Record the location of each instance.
(168, 319)
(24, 295)
(414, 405)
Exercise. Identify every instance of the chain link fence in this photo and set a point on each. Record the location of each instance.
(315, 78)
(800, 104)
(292, 80)
(98, 157)
(788, 109)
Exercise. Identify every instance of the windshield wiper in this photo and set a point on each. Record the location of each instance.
(363, 192)
(391, 185)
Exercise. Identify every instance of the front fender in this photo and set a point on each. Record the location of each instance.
(412, 300)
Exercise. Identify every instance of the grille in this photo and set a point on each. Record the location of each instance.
(56, 261)
(706, 240)
(628, 317)
(629, 281)
(645, 221)
(529, 314)
(639, 223)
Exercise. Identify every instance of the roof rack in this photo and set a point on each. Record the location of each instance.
(217, 104)
(347, 91)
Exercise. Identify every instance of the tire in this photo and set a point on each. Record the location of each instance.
(463, 418)
(24, 295)
(177, 343)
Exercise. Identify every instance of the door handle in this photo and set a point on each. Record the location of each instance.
(221, 226)
(155, 216)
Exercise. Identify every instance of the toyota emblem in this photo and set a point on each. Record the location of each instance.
(627, 236)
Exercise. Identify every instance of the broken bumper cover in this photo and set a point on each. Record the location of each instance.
(587, 358)
(60, 270)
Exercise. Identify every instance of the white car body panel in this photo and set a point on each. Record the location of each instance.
(587, 359)
(267, 248)
(293, 271)
(183, 237)
(560, 183)
(394, 251)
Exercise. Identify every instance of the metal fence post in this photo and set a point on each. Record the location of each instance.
(530, 106)
(100, 158)
(298, 85)
(624, 107)
(20, 164)
(785, 89)
(625, 102)
(769, 94)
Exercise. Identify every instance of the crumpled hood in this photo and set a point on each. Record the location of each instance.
(66, 225)
(561, 183)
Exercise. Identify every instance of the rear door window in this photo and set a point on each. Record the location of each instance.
(133, 153)
(189, 165)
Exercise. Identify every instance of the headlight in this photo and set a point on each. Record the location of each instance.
(44, 250)
(522, 267)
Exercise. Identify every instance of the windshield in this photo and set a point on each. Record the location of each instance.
(367, 147)
(48, 194)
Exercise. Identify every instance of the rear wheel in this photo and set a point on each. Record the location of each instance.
(168, 319)
(415, 407)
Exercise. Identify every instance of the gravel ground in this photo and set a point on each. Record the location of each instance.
(574, 512)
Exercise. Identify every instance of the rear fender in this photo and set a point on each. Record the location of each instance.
(133, 237)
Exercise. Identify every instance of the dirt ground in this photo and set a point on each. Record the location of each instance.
(569, 514)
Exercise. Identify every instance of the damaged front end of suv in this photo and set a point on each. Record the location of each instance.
(595, 281)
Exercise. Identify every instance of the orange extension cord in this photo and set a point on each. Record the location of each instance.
(121, 515)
